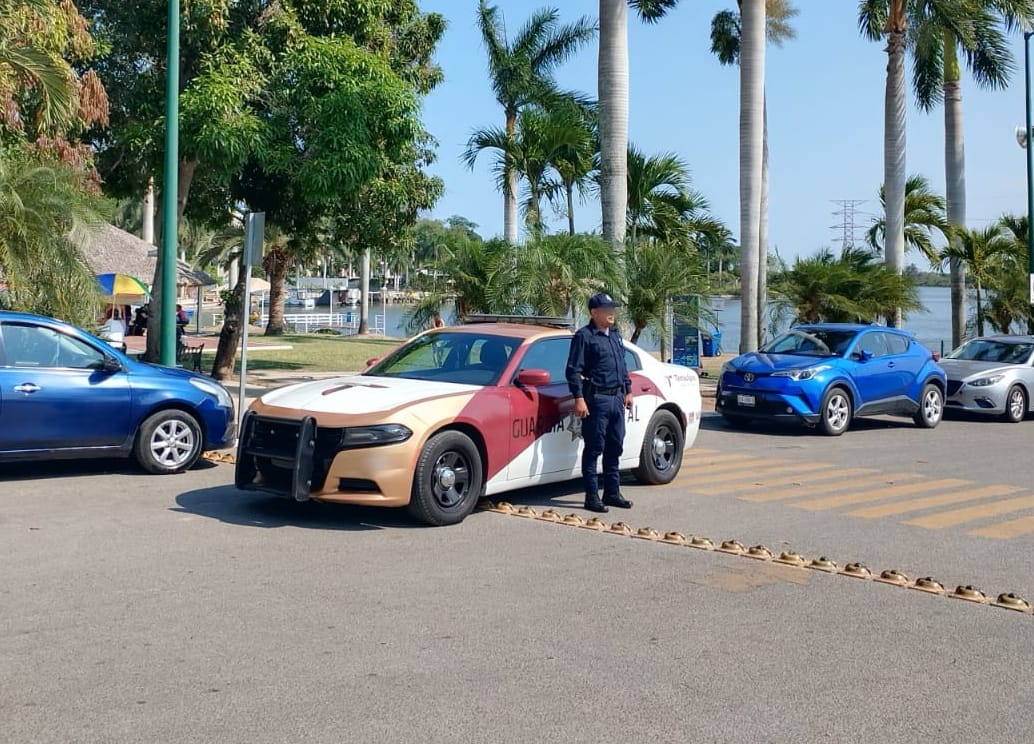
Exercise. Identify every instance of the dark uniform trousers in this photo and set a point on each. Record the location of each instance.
(603, 432)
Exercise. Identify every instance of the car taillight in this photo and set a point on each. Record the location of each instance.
(937, 356)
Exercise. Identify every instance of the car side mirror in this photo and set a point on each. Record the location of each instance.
(111, 365)
(533, 377)
(863, 355)
(372, 361)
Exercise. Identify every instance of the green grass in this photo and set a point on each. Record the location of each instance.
(317, 353)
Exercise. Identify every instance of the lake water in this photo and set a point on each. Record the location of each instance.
(932, 328)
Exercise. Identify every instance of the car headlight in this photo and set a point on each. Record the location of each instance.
(371, 436)
(985, 381)
(797, 375)
(214, 389)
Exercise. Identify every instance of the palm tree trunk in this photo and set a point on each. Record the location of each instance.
(570, 208)
(613, 112)
(894, 146)
(980, 309)
(364, 292)
(230, 333)
(276, 264)
(752, 93)
(510, 190)
(955, 183)
(763, 229)
(147, 229)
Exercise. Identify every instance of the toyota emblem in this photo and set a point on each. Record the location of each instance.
(748, 377)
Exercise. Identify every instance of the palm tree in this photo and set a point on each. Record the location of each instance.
(879, 18)
(656, 274)
(725, 44)
(44, 214)
(851, 287)
(1009, 305)
(522, 73)
(939, 32)
(924, 216)
(577, 161)
(659, 193)
(752, 98)
(556, 274)
(26, 65)
(981, 252)
(540, 139)
(612, 75)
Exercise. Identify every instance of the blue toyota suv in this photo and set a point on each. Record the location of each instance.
(825, 374)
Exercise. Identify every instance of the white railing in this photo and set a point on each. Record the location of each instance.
(347, 323)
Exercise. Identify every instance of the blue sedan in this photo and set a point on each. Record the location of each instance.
(67, 394)
(825, 374)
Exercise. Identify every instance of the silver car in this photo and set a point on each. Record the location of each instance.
(992, 375)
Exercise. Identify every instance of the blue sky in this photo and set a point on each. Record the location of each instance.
(825, 96)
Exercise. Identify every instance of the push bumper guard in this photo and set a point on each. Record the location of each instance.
(280, 439)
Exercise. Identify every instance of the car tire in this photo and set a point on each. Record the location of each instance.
(448, 480)
(835, 412)
(1015, 405)
(931, 407)
(168, 442)
(661, 456)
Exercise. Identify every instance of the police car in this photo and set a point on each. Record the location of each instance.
(452, 415)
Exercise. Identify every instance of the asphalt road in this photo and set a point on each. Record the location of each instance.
(175, 609)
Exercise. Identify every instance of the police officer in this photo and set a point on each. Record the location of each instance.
(602, 390)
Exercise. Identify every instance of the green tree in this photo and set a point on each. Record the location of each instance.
(661, 201)
(44, 214)
(982, 253)
(925, 219)
(522, 73)
(1009, 306)
(852, 287)
(556, 274)
(656, 273)
(943, 36)
(612, 73)
(540, 140)
(725, 44)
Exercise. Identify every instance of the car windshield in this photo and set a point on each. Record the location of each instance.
(449, 356)
(819, 342)
(990, 350)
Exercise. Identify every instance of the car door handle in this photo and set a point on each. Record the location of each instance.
(27, 387)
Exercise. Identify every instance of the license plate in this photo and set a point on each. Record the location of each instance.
(745, 400)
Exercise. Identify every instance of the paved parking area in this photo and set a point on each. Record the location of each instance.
(177, 609)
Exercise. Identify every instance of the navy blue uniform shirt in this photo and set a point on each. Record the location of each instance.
(599, 357)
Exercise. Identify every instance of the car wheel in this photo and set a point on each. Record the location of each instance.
(448, 479)
(931, 407)
(835, 412)
(1015, 405)
(168, 442)
(661, 456)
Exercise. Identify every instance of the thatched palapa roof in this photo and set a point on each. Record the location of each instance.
(111, 250)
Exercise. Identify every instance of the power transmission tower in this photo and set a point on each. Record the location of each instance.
(846, 231)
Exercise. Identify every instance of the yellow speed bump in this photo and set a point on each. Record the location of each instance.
(703, 543)
(929, 585)
(503, 507)
(674, 538)
(823, 563)
(595, 523)
(575, 520)
(759, 552)
(647, 533)
(1013, 602)
(790, 558)
(856, 570)
(969, 593)
(733, 547)
(527, 512)
(620, 528)
(549, 515)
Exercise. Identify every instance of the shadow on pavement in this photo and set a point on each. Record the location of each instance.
(790, 429)
(250, 509)
(42, 469)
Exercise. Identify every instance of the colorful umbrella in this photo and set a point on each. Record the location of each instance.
(122, 287)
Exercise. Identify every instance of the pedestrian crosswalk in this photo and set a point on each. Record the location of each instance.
(867, 493)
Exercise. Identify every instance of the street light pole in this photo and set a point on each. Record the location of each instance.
(170, 192)
(1030, 168)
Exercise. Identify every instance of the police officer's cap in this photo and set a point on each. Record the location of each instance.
(602, 299)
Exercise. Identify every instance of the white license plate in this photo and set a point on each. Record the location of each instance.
(745, 400)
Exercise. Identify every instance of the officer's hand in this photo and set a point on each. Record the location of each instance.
(581, 410)
(628, 401)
